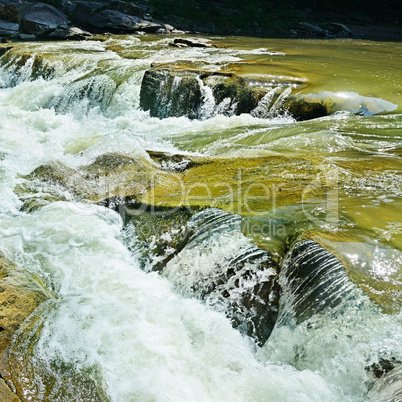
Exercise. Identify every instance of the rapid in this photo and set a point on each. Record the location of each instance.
(114, 329)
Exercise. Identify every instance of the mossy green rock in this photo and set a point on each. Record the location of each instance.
(20, 295)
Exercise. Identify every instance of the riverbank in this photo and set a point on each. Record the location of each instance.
(76, 19)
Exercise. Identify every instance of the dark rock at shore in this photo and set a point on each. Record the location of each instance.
(47, 21)
(116, 21)
(313, 29)
(42, 19)
(8, 28)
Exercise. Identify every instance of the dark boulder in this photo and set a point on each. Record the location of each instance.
(340, 30)
(117, 21)
(42, 19)
(192, 42)
(12, 10)
(168, 93)
(312, 29)
(127, 8)
(173, 91)
(8, 28)
(80, 11)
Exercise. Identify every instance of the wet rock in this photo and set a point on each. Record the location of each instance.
(174, 90)
(363, 255)
(25, 66)
(245, 186)
(51, 378)
(110, 178)
(84, 94)
(20, 295)
(175, 162)
(313, 281)
(310, 106)
(171, 94)
(161, 232)
(42, 19)
(192, 42)
(6, 394)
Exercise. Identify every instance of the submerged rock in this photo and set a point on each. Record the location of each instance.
(36, 378)
(25, 67)
(95, 91)
(309, 106)
(247, 186)
(111, 177)
(20, 295)
(313, 281)
(364, 258)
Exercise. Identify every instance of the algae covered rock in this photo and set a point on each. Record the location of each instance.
(49, 379)
(110, 177)
(20, 295)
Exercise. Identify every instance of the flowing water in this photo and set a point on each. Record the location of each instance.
(141, 337)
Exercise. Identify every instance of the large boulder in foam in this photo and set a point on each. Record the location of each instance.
(205, 255)
(221, 266)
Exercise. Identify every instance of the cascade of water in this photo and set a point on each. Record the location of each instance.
(135, 336)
